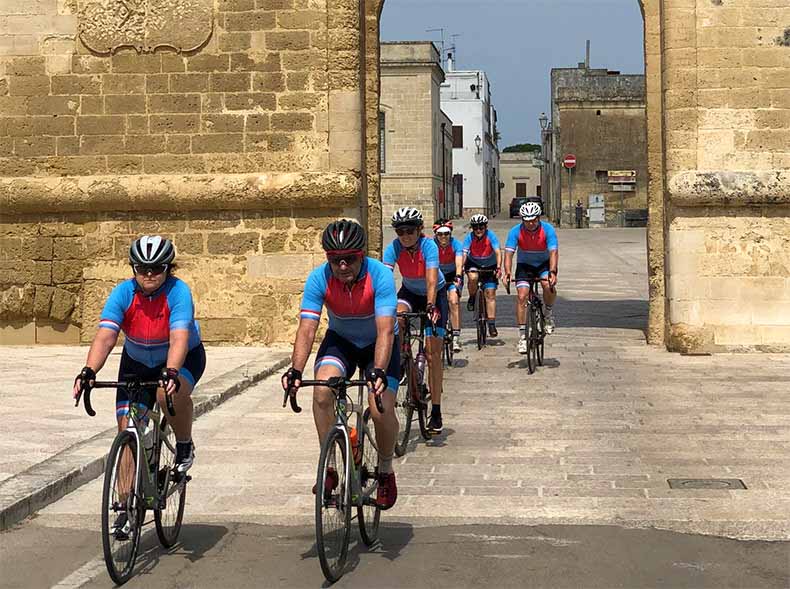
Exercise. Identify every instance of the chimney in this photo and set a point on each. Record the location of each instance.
(587, 56)
(450, 62)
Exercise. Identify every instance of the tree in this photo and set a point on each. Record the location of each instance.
(522, 148)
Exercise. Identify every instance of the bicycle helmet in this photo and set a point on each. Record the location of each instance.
(151, 250)
(407, 217)
(477, 220)
(530, 211)
(442, 224)
(343, 235)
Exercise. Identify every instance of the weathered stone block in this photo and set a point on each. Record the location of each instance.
(62, 305)
(218, 143)
(53, 105)
(101, 125)
(178, 144)
(257, 123)
(250, 21)
(88, 64)
(17, 302)
(38, 248)
(215, 123)
(292, 121)
(189, 243)
(175, 123)
(102, 144)
(233, 42)
(42, 301)
(299, 101)
(287, 41)
(173, 164)
(258, 61)
(174, 103)
(28, 85)
(268, 82)
(123, 84)
(134, 63)
(251, 101)
(51, 125)
(228, 329)
(208, 63)
(34, 146)
(157, 84)
(69, 248)
(172, 62)
(76, 84)
(124, 104)
(229, 82)
(67, 271)
(145, 144)
(91, 105)
(232, 243)
(183, 83)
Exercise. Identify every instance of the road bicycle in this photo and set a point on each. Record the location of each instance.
(140, 475)
(447, 347)
(347, 475)
(536, 323)
(481, 309)
(413, 395)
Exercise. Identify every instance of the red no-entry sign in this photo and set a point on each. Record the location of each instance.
(569, 161)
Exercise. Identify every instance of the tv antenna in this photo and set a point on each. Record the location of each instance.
(439, 30)
(454, 48)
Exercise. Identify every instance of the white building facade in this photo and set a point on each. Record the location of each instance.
(520, 173)
(466, 98)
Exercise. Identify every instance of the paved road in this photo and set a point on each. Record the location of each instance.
(558, 479)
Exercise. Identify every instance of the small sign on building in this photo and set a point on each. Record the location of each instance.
(622, 177)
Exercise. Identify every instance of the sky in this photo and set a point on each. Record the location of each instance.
(517, 42)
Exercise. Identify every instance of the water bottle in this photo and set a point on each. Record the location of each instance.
(420, 363)
(354, 436)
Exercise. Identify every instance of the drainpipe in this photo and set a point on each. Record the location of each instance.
(444, 169)
(363, 167)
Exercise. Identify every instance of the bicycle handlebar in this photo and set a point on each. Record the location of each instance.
(335, 383)
(417, 315)
(85, 392)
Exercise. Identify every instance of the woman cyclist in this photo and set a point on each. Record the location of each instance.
(451, 263)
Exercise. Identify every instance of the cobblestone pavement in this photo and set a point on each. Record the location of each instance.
(590, 439)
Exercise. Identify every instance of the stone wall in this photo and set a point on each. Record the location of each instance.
(240, 149)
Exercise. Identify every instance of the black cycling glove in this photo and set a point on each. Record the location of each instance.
(290, 377)
(85, 377)
(167, 375)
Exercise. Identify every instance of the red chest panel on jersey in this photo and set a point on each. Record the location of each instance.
(147, 320)
(446, 254)
(412, 266)
(359, 301)
(532, 241)
(480, 248)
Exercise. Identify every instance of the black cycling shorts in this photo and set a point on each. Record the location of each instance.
(339, 352)
(524, 271)
(418, 303)
(192, 370)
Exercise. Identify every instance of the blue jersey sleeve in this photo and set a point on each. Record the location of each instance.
(552, 243)
(117, 303)
(314, 294)
(386, 301)
(511, 244)
(458, 249)
(182, 308)
(467, 243)
(430, 252)
(494, 240)
(390, 258)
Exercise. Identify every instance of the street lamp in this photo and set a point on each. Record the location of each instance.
(478, 143)
(544, 121)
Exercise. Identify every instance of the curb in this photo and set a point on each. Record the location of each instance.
(48, 481)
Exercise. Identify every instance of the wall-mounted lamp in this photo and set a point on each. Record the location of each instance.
(478, 143)
(544, 121)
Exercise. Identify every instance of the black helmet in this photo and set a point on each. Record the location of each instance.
(151, 250)
(343, 235)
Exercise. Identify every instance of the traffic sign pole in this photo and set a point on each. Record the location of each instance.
(569, 161)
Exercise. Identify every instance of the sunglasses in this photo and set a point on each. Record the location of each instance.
(339, 259)
(406, 231)
(445, 233)
(478, 227)
(152, 270)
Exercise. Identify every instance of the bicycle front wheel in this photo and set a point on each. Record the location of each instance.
(333, 505)
(404, 405)
(532, 342)
(171, 488)
(122, 511)
(368, 513)
(541, 322)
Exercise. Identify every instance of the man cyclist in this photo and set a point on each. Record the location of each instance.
(155, 311)
(359, 295)
(451, 264)
(423, 289)
(538, 255)
(482, 254)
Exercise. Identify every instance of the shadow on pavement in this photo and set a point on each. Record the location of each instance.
(194, 541)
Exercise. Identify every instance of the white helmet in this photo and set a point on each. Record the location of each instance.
(478, 220)
(151, 250)
(407, 216)
(530, 210)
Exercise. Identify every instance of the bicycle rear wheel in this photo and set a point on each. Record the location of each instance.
(481, 319)
(368, 514)
(172, 489)
(541, 335)
(333, 505)
(422, 410)
(404, 406)
(448, 348)
(121, 497)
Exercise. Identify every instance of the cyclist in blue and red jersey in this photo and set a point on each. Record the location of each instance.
(155, 311)
(423, 289)
(451, 264)
(359, 295)
(538, 255)
(483, 254)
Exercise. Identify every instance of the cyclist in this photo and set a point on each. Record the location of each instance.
(538, 255)
(451, 263)
(423, 289)
(482, 253)
(359, 295)
(155, 311)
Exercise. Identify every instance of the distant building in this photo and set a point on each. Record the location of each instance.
(520, 173)
(599, 116)
(416, 136)
(466, 98)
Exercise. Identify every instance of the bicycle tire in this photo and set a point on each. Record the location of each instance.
(531, 343)
(422, 411)
(168, 520)
(448, 349)
(125, 440)
(481, 319)
(541, 334)
(368, 515)
(332, 541)
(405, 409)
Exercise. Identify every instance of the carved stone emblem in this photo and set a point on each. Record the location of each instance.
(108, 25)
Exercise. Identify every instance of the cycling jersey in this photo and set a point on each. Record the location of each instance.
(146, 320)
(481, 252)
(352, 309)
(448, 254)
(533, 246)
(413, 266)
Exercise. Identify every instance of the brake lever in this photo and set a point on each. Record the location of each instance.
(288, 395)
(86, 397)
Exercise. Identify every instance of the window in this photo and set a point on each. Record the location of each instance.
(458, 136)
(602, 179)
(521, 189)
(537, 190)
(382, 142)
